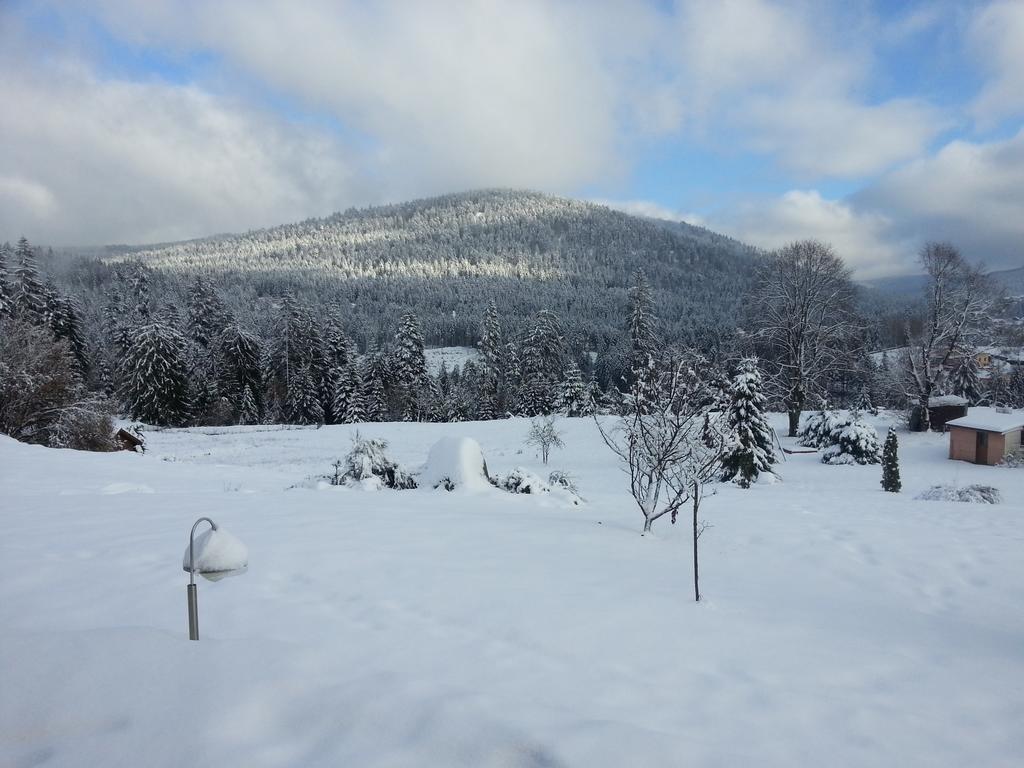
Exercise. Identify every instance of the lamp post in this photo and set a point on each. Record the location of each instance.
(221, 554)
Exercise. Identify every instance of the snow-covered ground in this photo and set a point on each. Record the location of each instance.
(449, 357)
(841, 625)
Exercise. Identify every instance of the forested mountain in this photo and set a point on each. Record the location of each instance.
(445, 258)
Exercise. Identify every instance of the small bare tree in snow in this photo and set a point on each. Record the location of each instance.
(671, 448)
(544, 434)
(804, 321)
(958, 301)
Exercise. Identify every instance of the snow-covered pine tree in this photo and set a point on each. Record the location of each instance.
(248, 409)
(240, 371)
(852, 441)
(375, 401)
(543, 354)
(410, 365)
(347, 404)
(891, 463)
(640, 325)
(154, 377)
(207, 315)
(574, 399)
(303, 404)
(6, 306)
(864, 402)
(65, 317)
(749, 450)
(817, 427)
(493, 373)
(965, 381)
(28, 294)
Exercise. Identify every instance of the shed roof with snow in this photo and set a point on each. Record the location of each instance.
(990, 421)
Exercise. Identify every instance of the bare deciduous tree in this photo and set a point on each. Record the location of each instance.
(671, 448)
(958, 300)
(803, 321)
(545, 435)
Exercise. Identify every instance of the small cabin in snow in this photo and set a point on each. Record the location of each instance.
(984, 437)
(941, 410)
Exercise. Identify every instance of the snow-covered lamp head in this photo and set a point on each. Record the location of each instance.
(214, 555)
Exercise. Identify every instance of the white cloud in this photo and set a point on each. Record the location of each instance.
(784, 80)
(862, 238)
(997, 38)
(653, 210)
(971, 193)
(27, 196)
(89, 160)
(967, 193)
(836, 137)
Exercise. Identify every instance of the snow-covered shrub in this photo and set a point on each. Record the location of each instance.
(84, 429)
(368, 464)
(559, 485)
(977, 494)
(852, 441)
(455, 462)
(817, 428)
(1012, 460)
(521, 480)
(562, 480)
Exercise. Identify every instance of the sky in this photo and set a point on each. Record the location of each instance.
(875, 126)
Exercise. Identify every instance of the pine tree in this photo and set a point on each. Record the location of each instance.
(249, 409)
(543, 353)
(965, 381)
(6, 302)
(207, 316)
(154, 377)
(240, 370)
(750, 449)
(574, 399)
(303, 405)
(640, 325)
(347, 405)
(375, 401)
(891, 463)
(852, 441)
(494, 374)
(410, 366)
(28, 294)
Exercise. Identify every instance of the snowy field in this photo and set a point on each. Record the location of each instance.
(841, 625)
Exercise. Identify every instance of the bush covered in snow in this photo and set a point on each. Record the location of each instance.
(520, 480)
(852, 441)
(455, 462)
(367, 464)
(977, 494)
(817, 428)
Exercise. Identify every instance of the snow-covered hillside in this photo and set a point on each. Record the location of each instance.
(841, 626)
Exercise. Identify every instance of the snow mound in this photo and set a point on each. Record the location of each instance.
(113, 489)
(456, 462)
(217, 551)
(977, 494)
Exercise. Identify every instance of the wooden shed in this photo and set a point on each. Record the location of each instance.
(984, 437)
(941, 410)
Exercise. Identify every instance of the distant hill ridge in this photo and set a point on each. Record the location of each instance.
(446, 257)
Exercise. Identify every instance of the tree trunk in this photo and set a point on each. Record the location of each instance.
(647, 524)
(794, 420)
(696, 534)
(926, 418)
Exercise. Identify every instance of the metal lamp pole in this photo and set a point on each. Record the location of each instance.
(193, 599)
